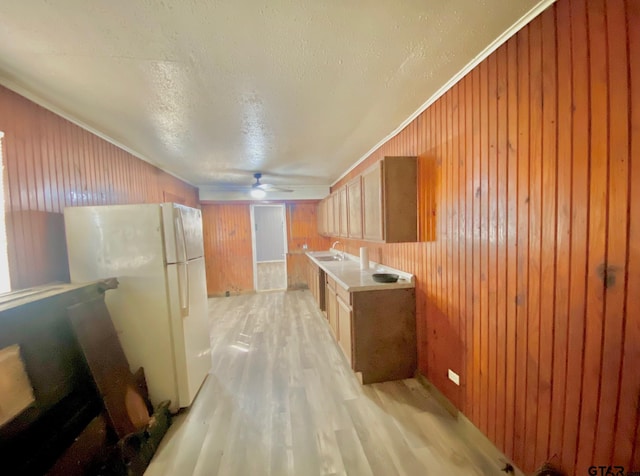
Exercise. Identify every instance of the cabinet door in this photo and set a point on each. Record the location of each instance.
(330, 215)
(322, 217)
(344, 220)
(372, 203)
(344, 329)
(354, 200)
(313, 283)
(332, 309)
(336, 213)
(327, 307)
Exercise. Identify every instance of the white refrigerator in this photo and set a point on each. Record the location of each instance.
(160, 306)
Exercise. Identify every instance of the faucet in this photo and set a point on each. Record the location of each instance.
(333, 246)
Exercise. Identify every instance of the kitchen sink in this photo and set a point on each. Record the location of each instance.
(329, 258)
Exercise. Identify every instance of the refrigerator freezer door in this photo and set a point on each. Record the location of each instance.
(183, 232)
(190, 333)
(192, 226)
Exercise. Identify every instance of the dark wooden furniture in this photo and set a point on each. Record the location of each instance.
(66, 400)
(126, 408)
(85, 398)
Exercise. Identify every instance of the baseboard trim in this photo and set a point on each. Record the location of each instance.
(466, 428)
(235, 293)
(438, 395)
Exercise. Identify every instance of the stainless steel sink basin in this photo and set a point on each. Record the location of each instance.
(329, 258)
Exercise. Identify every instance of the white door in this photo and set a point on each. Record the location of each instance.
(190, 327)
(269, 239)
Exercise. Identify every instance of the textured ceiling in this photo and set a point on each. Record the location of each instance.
(214, 90)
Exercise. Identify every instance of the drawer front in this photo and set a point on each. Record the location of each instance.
(331, 283)
(344, 294)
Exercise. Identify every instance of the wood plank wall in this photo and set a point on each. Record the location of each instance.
(228, 250)
(50, 164)
(528, 284)
(302, 229)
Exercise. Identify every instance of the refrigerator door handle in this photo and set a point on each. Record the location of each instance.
(180, 235)
(188, 300)
(184, 264)
(184, 285)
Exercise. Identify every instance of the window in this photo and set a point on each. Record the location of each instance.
(5, 282)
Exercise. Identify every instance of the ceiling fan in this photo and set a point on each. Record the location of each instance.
(259, 189)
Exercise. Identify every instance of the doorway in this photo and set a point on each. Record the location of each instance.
(269, 240)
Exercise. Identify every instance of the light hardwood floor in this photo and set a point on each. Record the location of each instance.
(281, 400)
(272, 275)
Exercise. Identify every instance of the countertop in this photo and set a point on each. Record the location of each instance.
(348, 274)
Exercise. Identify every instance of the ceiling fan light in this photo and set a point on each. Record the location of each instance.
(258, 193)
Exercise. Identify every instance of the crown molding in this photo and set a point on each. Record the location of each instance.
(511, 31)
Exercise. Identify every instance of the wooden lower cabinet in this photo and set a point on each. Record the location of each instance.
(316, 283)
(331, 305)
(384, 334)
(345, 316)
(376, 330)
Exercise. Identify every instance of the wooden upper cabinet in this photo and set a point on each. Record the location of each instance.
(336, 213)
(390, 200)
(354, 200)
(344, 212)
(322, 217)
(372, 203)
(381, 204)
(400, 196)
(325, 217)
(330, 214)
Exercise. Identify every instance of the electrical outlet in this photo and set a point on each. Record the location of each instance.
(454, 377)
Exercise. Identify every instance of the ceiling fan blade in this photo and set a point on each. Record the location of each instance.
(267, 187)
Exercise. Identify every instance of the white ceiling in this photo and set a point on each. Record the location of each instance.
(215, 90)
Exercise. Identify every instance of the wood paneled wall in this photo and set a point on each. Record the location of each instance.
(529, 286)
(302, 229)
(49, 164)
(228, 250)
